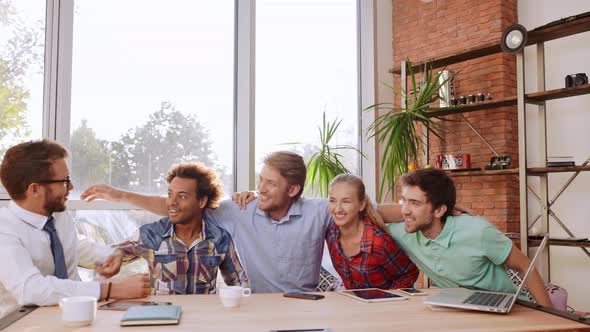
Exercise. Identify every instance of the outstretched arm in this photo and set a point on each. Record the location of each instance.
(28, 285)
(392, 213)
(154, 204)
(519, 262)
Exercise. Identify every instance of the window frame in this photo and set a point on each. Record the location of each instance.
(373, 30)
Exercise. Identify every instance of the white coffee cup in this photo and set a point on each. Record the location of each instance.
(232, 295)
(78, 310)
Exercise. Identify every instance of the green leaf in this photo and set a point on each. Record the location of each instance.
(326, 163)
(396, 130)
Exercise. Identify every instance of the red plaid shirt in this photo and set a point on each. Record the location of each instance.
(379, 264)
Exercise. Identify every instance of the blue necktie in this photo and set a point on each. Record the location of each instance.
(57, 250)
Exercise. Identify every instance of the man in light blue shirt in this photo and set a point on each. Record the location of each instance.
(279, 238)
(278, 255)
(456, 250)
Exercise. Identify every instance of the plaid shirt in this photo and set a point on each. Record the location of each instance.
(379, 264)
(178, 269)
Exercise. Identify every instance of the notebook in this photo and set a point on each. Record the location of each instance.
(151, 315)
(497, 302)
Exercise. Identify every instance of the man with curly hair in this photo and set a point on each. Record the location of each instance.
(185, 250)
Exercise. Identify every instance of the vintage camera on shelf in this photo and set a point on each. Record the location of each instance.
(575, 80)
(453, 161)
(499, 162)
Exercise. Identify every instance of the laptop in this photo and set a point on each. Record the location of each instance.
(497, 302)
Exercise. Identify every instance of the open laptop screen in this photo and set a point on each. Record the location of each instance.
(531, 267)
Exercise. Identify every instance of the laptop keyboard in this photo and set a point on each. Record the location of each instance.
(487, 299)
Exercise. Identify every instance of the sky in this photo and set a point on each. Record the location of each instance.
(130, 55)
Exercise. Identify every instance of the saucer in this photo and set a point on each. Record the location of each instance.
(77, 323)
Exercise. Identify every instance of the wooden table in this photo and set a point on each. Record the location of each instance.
(265, 312)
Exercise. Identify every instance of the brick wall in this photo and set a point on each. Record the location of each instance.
(423, 31)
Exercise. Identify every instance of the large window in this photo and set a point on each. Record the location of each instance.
(306, 63)
(151, 88)
(22, 38)
(133, 86)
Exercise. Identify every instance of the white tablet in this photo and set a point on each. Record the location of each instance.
(372, 295)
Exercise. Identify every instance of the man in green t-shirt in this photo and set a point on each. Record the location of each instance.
(456, 250)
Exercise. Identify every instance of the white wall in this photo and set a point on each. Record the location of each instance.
(568, 123)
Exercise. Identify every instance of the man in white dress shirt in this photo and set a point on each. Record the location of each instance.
(38, 242)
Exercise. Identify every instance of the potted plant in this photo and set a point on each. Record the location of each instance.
(326, 160)
(397, 130)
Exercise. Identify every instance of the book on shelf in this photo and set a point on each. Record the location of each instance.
(560, 163)
(560, 238)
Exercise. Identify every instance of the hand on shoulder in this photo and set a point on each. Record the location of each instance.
(243, 198)
(458, 210)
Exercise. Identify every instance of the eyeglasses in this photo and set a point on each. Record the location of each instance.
(65, 181)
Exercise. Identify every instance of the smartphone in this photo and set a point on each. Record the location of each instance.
(412, 291)
(305, 330)
(305, 296)
(124, 305)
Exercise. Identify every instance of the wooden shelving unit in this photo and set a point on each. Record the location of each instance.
(531, 98)
(485, 172)
(543, 34)
(535, 241)
(535, 37)
(561, 242)
(451, 58)
(486, 105)
(540, 97)
(538, 37)
(545, 170)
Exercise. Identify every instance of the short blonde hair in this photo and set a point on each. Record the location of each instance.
(291, 166)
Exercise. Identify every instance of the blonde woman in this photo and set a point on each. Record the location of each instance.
(362, 251)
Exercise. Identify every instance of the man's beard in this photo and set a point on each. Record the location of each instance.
(54, 204)
(271, 206)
